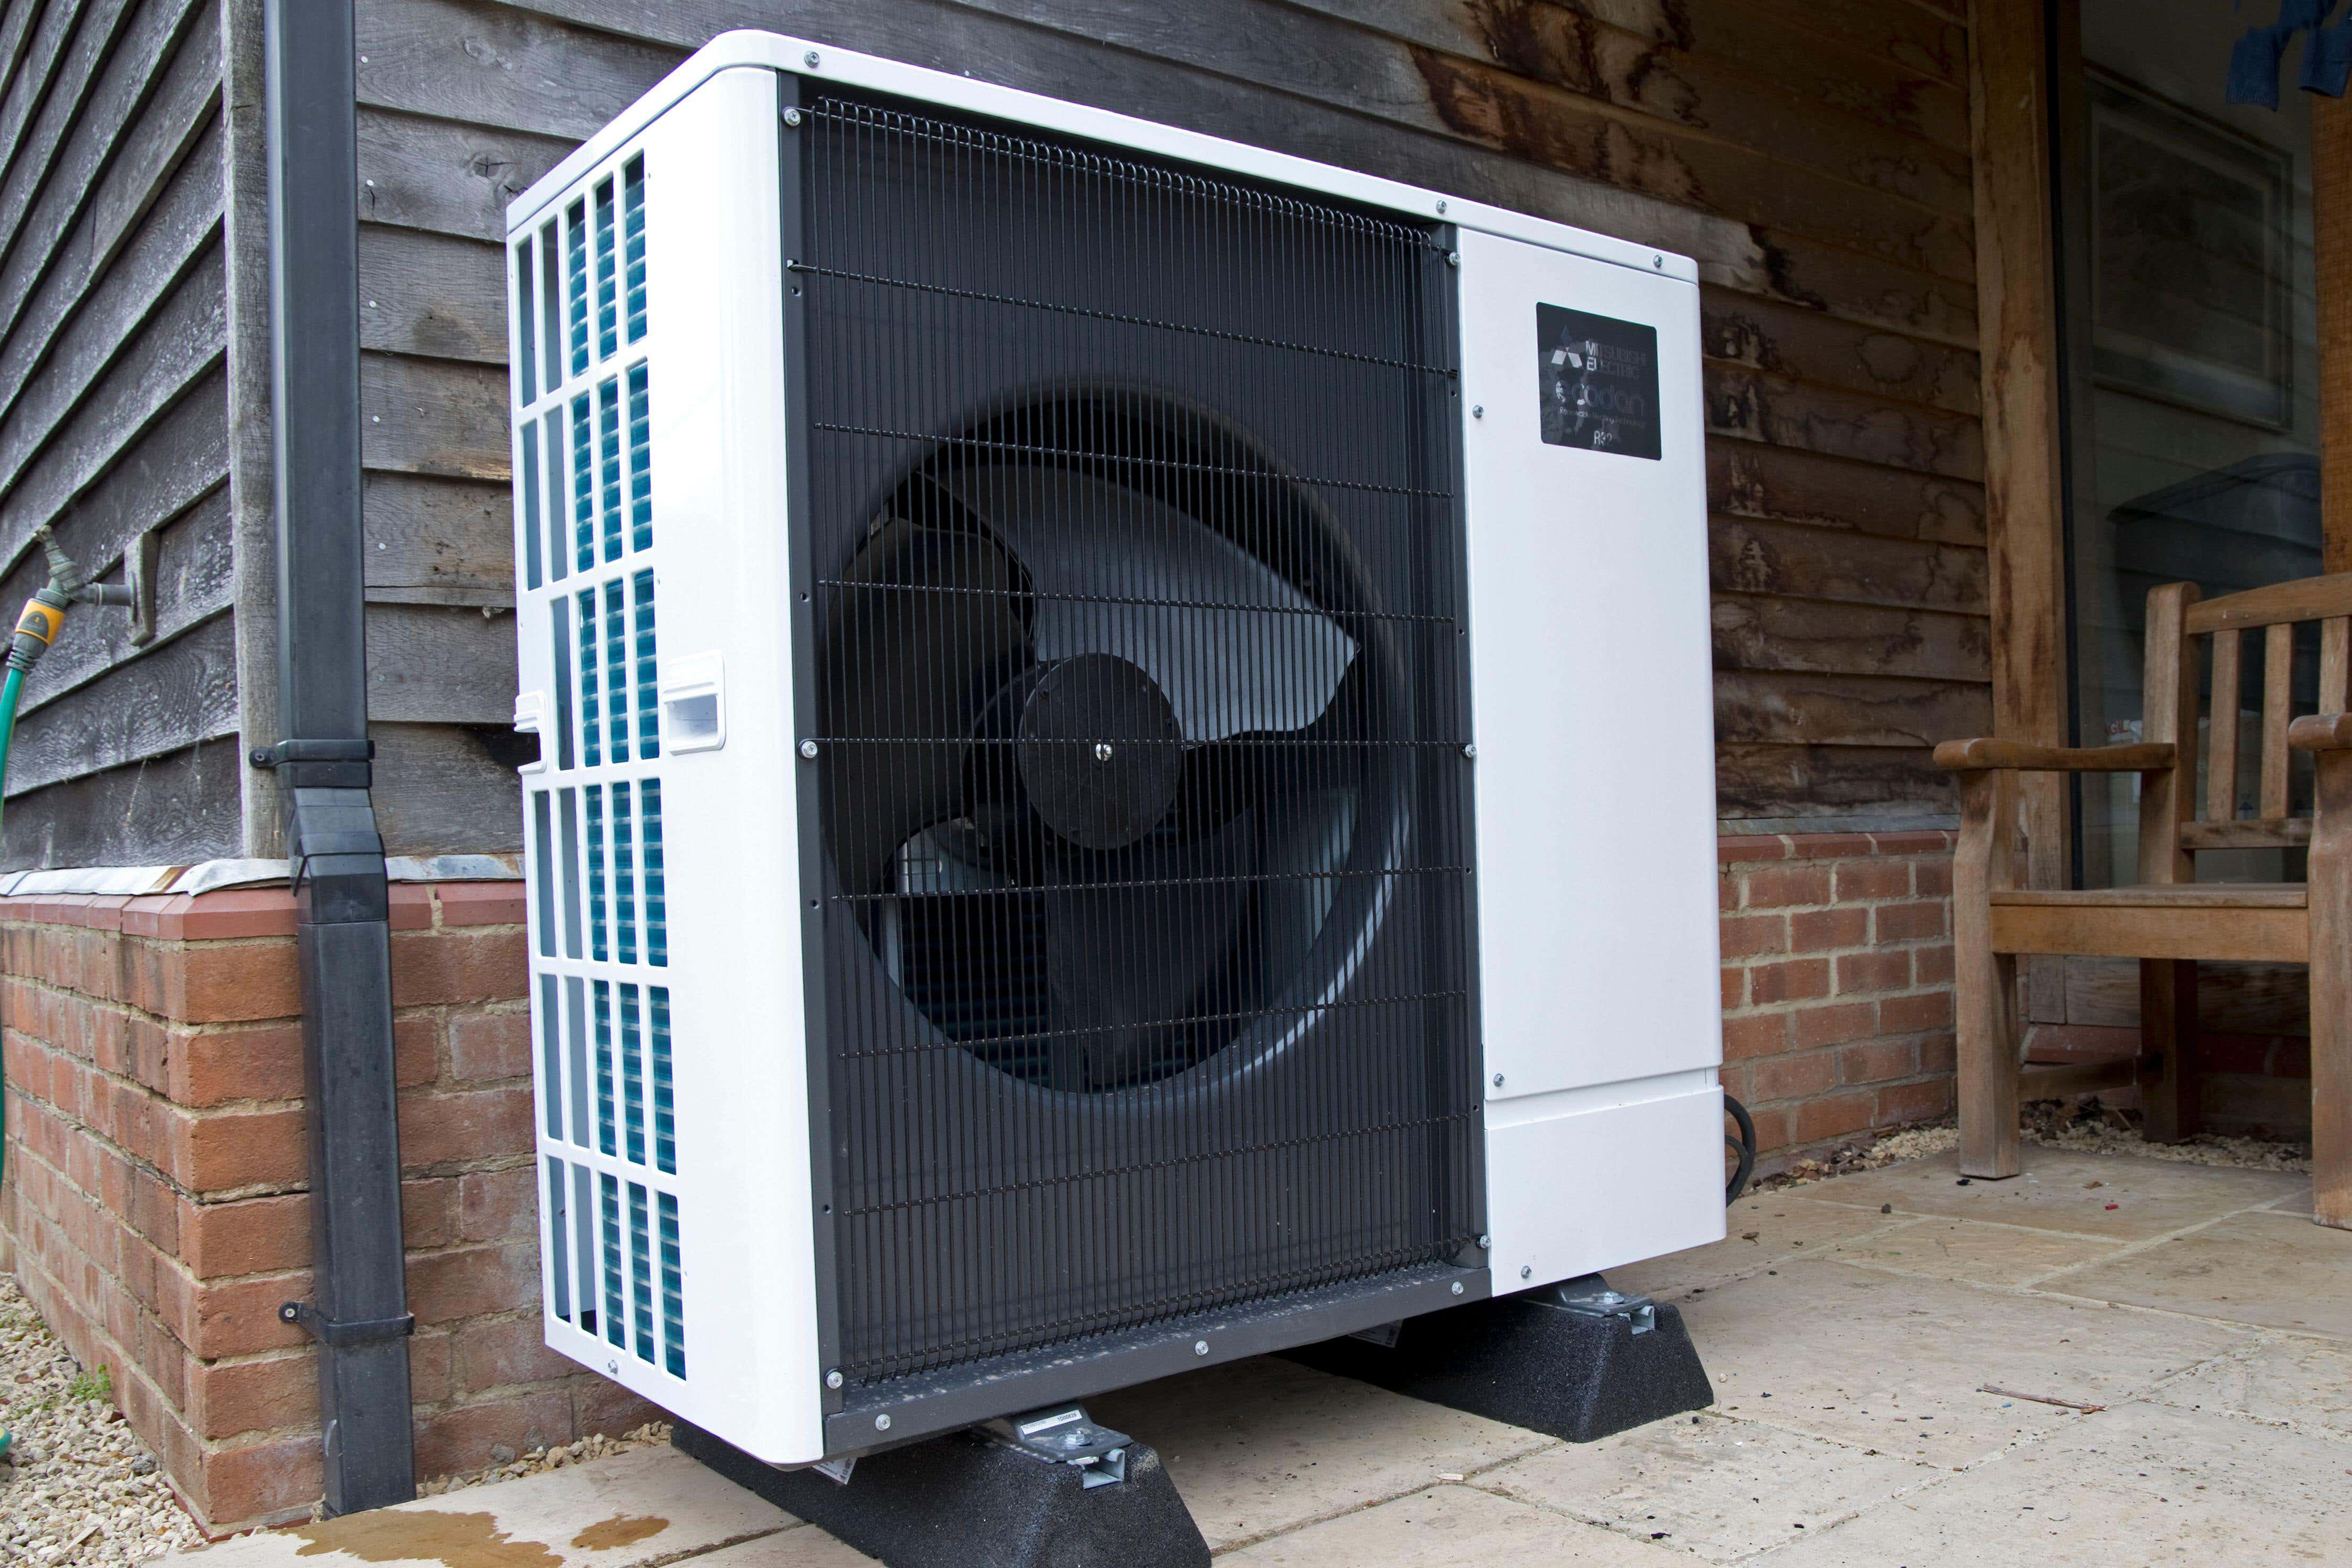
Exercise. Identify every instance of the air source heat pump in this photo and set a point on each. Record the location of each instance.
(1126, 776)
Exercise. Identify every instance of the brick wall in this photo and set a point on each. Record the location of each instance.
(1837, 976)
(156, 1190)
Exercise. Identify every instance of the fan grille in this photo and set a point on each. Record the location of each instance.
(1159, 1001)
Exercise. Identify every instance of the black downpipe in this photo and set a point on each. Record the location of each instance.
(359, 1310)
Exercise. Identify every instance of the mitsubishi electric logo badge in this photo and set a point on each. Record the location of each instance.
(1600, 382)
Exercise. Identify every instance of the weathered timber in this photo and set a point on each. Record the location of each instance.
(434, 416)
(1752, 706)
(1758, 632)
(449, 789)
(1754, 556)
(1754, 405)
(173, 695)
(432, 295)
(433, 665)
(1751, 478)
(173, 810)
(435, 539)
(1789, 340)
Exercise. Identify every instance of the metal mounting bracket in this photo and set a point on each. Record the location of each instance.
(329, 1332)
(1591, 1297)
(1062, 1435)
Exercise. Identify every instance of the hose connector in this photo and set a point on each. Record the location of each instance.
(37, 628)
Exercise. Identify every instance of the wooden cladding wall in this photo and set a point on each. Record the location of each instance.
(1812, 154)
(113, 422)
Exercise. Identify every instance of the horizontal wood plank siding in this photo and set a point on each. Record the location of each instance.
(1812, 154)
(113, 425)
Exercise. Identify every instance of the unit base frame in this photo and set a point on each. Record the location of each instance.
(974, 1499)
(1576, 1361)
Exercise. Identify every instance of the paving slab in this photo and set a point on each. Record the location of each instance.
(1974, 1251)
(2275, 1269)
(647, 1506)
(2140, 1484)
(1452, 1527)
(2056, 1192)
(2283, 1379)
(1262, 1445)
(1761, 1231)
(1895, 1362)
(803, 1546)
(1721, 1486)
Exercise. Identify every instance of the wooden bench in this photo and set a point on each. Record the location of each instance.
(2171, 920)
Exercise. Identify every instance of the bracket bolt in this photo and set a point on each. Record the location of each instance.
(1441, 207)
(290, 1313)
(1471, 752)
(1499, 1080)
(258, 756)
(1484, 1242)
(808, 750)
(793, 116)
(1477, 411)
(881, 1422)
(1611, 1297)
(1457, 1287)
(833, 1379)
(1452, 258)
(1199, 1347)
(1659, 262)
(809, 60)
(1102, 751)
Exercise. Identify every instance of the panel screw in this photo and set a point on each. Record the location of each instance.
(792, 116)
(258, 756)
(1199, 1347)
(1457, 1287)
(881, 1422)
(1470, 752)
(1499, 1080)
(1102, 751)
(1527, 1271)
(809, 60)
(614, 1368)
(808, 750)
(1484, 1242)
(290, 1313)
(833, 1380)
(1477, 411)
(1659, 262)
(1441, 207)
(1452, 258)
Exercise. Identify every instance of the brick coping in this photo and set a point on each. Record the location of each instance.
(235, 912)
(1733, 850)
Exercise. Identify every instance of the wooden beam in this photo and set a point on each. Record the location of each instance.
(2018, 324)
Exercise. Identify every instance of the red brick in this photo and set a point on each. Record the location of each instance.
(441, 1128)
(1914, 1015)
(1748, 936)
(218, 1066)
(480, 903)
(234, 912)
(1863, 881)
(1819, 931)
(1764, 1035)
(444, 1287)
(600, 1405)
(1835, 1025)
(1775, 1125)
(1877, 1061)
(486, 1046)
(432, 967)
(469, 1436)
(1834, 1115)
(260, 1483)
(499, 1205)
(1932, 965)
(1794, 981)
(233, 1397)
(1831, 845)
(228, 1149)
(157, 915)
(1910, 922)
(1932, 878)
(105, 914)
(239, 1317)
(1939, 1054)
(226, 983)
(428, 1212)
(249, 1235)
(430, 1377)
(410, 905)
(1902, 1102)
(1880, 969)
(1734, 987)
(1794, 1077)
(1764, 847)
(1782, 887)
(1931, 842)
(499, 1351)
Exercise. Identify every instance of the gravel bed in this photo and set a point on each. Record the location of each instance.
(535, 1462)
(81, 1489)
(2085, 1129)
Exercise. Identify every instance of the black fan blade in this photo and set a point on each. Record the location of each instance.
(930, 621)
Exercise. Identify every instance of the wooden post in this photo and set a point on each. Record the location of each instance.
(2167, 987)
(2331, 992)
(2331, 224)
(2018, 321)
(1984, 982)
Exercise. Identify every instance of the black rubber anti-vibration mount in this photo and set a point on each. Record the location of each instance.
(1527, 1361)
(968, 1500)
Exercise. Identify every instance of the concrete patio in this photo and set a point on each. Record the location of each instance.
(2171, 1344)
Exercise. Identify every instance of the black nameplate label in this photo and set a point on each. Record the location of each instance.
(1599, 381)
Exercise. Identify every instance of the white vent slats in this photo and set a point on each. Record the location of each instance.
(612, 1246)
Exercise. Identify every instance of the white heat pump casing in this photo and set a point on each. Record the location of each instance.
(1588, 636)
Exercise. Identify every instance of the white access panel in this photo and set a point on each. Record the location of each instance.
(1592, 698)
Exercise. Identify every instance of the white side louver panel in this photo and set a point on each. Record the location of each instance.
(647, 381)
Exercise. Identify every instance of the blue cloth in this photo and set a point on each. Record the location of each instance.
(2256, 58)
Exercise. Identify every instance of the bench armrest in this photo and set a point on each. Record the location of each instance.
(2321, 732)
(1986, 753)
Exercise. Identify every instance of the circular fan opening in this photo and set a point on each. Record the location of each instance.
(1111, 797)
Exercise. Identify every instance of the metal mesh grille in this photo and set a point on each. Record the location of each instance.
(1140, 696)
